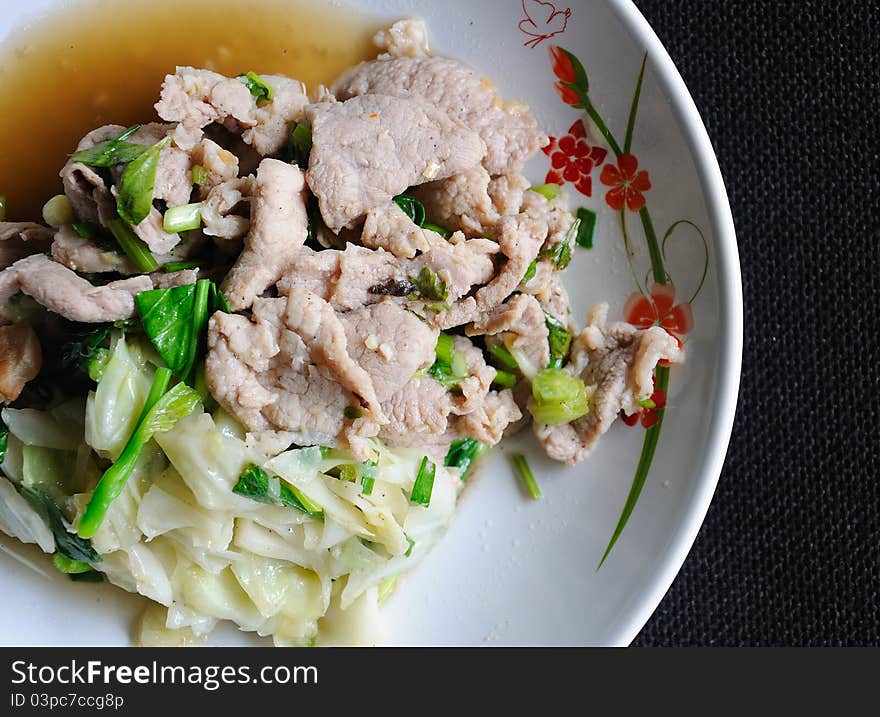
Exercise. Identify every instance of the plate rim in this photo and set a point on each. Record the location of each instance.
(697, 140)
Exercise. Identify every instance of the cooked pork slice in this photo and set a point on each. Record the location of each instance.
(460, 202)
(88, 194)
(21, 239)
(371, 148)
(519, 238)
(618, 362)
(507, 191)
(151, 231)
(553, 298)
(63, 292)
(274, 118)
(390, 343)
(509, 131)
(80, 254)
(173, 181)
(553, 212)
(218, 211)
(420, 409)
(279, 227)
(489, 420)
(390, 228)
(196, 98)
(460, 263)
(172, 279)
(405, 38)
(262, 373)
(20, 359)
(220, 164)
(522, 327)
(472, 391)
(325, 337)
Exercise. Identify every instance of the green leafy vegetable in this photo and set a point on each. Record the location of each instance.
(4, 440)
(424, 484)
(560, 340)
(173, 266)
(445, 233)
(586, 228)
(134, 248)
(183, 218)
(503, 356)
(299, 144)
(91, 576)
(254, 483)
(217, 302)
(429, 286)
(412, 207)
(462, 454)
(163, 408)
(199, 175)
(69, 544)
(175, 320)
(69, 566)
(450, 366)
(257, 86)
(82, 348)
(111, 152)
(558, 397)
(528, 478)
(549, 190)
(530, 272)
(138, 181)
(98, 364)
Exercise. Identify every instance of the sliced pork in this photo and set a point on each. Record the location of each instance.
(20, 359)
(21, 239)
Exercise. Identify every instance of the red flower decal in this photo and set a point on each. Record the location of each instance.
(648, 413)
(542, 21)
(659, 310)
(562, 66)
(568, 94)
(573, 160)
(627, 184)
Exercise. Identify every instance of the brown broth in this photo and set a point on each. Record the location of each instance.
(103, 61)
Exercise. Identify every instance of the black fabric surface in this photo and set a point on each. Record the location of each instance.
(790, 551)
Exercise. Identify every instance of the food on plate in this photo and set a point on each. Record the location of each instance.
(253, 351)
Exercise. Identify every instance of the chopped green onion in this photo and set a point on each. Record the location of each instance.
(528, 478)
(253, 483)
(647, 403)
(462, 453)
(560, 253)
(386, 587)
(183, 218)
(199, 175)
(411, 544)
(560, 340)
(352, 412)
(504, 379)
(133, 247)
(70, 566)
(57, 211)
(549, 190)
(503, 356)
(429, 286)
(257, 86)
(558, 397)
(162, 409)
(445, 233)
(2, 208)
(98, 364)
(367, 473)
(450, 366)
(412, 207)
(325, 451)
(530, 272)
(112, 151)
(424, 484)
(586, 229)
(173, 266)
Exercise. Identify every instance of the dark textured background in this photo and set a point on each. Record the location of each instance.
(790, 551)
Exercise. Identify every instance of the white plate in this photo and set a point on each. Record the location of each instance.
(514, 571)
